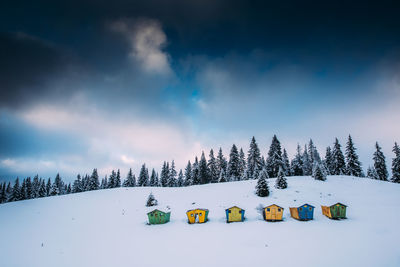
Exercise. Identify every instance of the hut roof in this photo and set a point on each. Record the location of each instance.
(197, 209)
(307, 205)
(273, 205)
(234, 207)
(339, 204)
(155, 210)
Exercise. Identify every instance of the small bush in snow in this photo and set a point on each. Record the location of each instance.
(151, 201)
(281, 182)
(318, 173)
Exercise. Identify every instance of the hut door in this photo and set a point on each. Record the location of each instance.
(273, 214)
(196, 217)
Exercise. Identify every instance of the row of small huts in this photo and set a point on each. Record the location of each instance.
(272, 213)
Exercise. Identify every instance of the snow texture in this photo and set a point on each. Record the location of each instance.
(109, 227)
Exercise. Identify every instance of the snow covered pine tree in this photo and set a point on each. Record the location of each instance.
(262, 189)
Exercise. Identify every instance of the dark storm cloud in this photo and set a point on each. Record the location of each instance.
(27, 68)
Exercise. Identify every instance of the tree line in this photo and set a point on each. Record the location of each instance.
(218, 169)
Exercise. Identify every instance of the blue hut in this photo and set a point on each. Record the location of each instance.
(303, 213)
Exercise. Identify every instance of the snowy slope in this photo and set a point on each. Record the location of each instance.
(108, 227)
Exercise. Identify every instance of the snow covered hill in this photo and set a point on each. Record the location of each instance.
(108, 227)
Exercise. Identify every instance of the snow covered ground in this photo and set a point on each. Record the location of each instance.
(108, 227)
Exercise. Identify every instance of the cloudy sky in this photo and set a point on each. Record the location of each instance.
(114, 84)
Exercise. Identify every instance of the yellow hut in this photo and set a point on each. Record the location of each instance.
(273, 213)
(197, 215)
(234, 214)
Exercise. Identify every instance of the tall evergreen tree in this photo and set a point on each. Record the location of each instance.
(307, 165)
(254, 162)
(94, 182)
(329, 160)
(112, 179)
(285, 163)
(48, 187)
(396, 164)
(212, 167)
(35, 186)
(9, 191)
(172, 175)
(180, 181)
(129, 181)
(195, 172)
(338, 163)
(296, 166)
(29, 188)
(164, 175)
(221, 161)
(203, 170)
(262, 189)
(281, 182)
(143, 176)
(77, 185)
(380, 163)
(118, 179)
(153, 178)
(242, 165)
(234, 165)
(188, 174)
(16, 192)
(313, 153)
(274, 160)
(3, 195)
(353, 165)
(59, 184)
(42, 189)
(54, 190)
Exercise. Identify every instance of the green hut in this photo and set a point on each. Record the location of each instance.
(158, 217)
(336, 211)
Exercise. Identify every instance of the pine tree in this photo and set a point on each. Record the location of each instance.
(172, 175)
(112, 179)
(16, 192)
(285, 163)
(212, 167)
(29, 188)
(48, 187)
(203, 170)
(164, 175)
(222, 177)
(179, 182)
(69, 189)
(396, 164)
(296, 167)
(195, 172)
(151, 201)
(281, 182)
(338, 163)
(3, 195)
(380, 163)
(329, 160)
(254, 161)
(313, 153)
(9, 191)
(42, 189)
(188, 174)
(353, 165)
(77, 185)
(234, 164)
(242, 165)
(143, 176)
(59, 184)
(307, 167)
(153, 178)
(35, 187)
(118, 179)
(318, 172)
(262, 189)
(274, 160)
(94, 181)
(221, 161)
(54, 190)
(129, 181)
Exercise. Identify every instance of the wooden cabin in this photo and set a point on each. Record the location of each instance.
(197, 215)
(303, 213)
(158, 217)
(273, 213)
(336, 211)
(234, 214)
